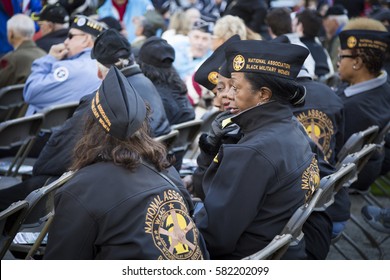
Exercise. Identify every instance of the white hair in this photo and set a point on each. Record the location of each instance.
(341, 19)
(22, 26)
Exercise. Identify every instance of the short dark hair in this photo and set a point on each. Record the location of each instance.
(372, 59)
(279, 20)
(311, 22)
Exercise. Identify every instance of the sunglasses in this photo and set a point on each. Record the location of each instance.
(70, 35)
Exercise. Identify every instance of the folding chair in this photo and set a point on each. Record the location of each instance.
(360, 159)
(11, 102)
(168, 139)
(38, 219)
(56, 115)
(18, 133)
(356, 142)
(292, 233)
(10, 222)
(187, 133)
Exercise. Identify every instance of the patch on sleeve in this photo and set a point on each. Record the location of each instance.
(61, 74)
(311, 179)
(173, 231)
(3, 63)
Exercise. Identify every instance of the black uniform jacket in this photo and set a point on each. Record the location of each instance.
(253, 187)
(108, 212)
(177, 105)
(366, 104)
(322, 116)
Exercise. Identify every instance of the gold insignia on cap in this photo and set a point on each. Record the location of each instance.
(238, 62)
(351, 42)
(213, 77)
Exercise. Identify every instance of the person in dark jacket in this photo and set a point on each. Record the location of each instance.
(127, 200)
(271, 162)
(155, 60)
(364, 43)
(53, 21)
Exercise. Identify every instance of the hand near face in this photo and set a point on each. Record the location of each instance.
(58, 51)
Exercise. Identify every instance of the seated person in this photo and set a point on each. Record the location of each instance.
(67, 73)
(15, 66)
(263, 96)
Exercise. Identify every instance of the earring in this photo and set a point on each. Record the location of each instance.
(354, 67)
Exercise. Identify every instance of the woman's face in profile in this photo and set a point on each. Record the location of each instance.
(244, 96)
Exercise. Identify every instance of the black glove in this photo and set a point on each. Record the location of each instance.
(221, 125)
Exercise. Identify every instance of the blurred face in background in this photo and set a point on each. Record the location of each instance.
(200, 43)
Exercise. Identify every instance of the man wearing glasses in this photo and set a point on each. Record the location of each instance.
(67, 73)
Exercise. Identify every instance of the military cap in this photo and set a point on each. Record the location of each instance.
(336, 10)
(207, 73)
(52, 13)
(109, 46)
(111, 22)
(117, 106)
(277, 59)
(371, 39)
(157, 52)
(224, 70)
(203, 25)
(87, 25)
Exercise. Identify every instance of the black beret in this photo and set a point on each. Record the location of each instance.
(109, 46)
(117, 106)
(277, 59)
(336, 10)
(87, 25)
(52, 13)
(356, 39)
(157, 52)
(207, 73)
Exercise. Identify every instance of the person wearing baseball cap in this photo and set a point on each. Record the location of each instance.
(67, 73)
(53, 21)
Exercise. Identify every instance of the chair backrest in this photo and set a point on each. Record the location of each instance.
(360, 158)
(56, 115)
(20, 133)
(187, 134)
(208, 118)
(332, 183)
(380, 138)
(168, 139)
(274, 250)
(41, 202)
(10, 222)
(11, 102)
(356, 142)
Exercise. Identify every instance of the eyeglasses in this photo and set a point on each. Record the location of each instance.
(70, 35)
(341, 56)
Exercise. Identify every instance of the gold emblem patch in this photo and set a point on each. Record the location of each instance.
(238, 62)
(320, 129)
(173, 231)
(351, 42)
(311, 179)
(213, 77)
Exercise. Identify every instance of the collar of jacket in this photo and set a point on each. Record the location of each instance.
(131, 70)
(262, 115)
(27, 44)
